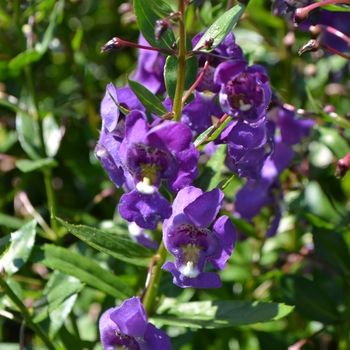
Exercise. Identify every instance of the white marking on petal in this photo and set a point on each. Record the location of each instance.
(145, 186)
(189, 270)
(244, 107)
(102, 152)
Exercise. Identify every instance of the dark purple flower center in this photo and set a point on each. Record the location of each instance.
(244, 94)
(150, 163)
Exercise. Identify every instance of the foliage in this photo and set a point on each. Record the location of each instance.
(66, 254)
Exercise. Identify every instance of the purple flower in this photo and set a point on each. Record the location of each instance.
(227, 48)
(126, 327)
(245, 92)
(113, 130)
(187, 236)
(163, 152)
(150, 69)
(248, 147)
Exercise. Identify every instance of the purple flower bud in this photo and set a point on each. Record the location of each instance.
(160, 28)
(245, 92)
(126, 327)
(187, 236)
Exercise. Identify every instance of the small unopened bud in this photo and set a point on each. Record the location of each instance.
(311, 45)
(300, 14)
(112, 45)
(343, 166)
(208, 43)
(160, 28)
(315, 30)
(329, 109)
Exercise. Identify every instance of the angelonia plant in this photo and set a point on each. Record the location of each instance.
(206, 156)
(189, 98)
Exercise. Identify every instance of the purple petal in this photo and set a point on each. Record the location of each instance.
(109, 110)
(208, 280)
(108, 331)
(227, 71)
(169, 135)
(203, 210)
(144, 209)
(130, 317)
(156, 338)
(226, 232)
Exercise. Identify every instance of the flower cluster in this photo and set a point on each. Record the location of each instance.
(267, 191)
(148, 155)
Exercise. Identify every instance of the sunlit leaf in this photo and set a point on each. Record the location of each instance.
(218, 31)
(85, 269)
(27, 165)
(111, 244)
(22, 242)
(219, 314)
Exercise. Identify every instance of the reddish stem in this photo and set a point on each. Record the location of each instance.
(195, 84)
(217, 125)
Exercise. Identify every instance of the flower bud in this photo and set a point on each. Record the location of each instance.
(112, 45)
(160, 28)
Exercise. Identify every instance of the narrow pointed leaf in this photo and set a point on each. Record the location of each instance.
(150, 101)
(111, 244)
(221, 27)
(27, 165)
(86, 270)
(146, 19)
(220, 314)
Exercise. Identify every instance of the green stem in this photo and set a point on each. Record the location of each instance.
(27, 317)
(180, 85)
(47, 172)
(51, 200)
(154, 279)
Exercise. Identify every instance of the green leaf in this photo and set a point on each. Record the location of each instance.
(332, 117)
(171, 73)
(219, 314)
(146, 19)
(332, 249)
(22, 242)
(243, 226)
(334, 141)
(336, 7)
(24, 58)
(317, 221)
(160, 7)
(60, 293)
(52, 135)
(215, 134)
(221, 27)
(78, 37)
(147, 98)
(5, 243)
(121, 108)
(211, 175)
(10, 221)
(28, 131)
(309, 298)
(49, 33)
(27, 165)
(111, 244)
(85, 269)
